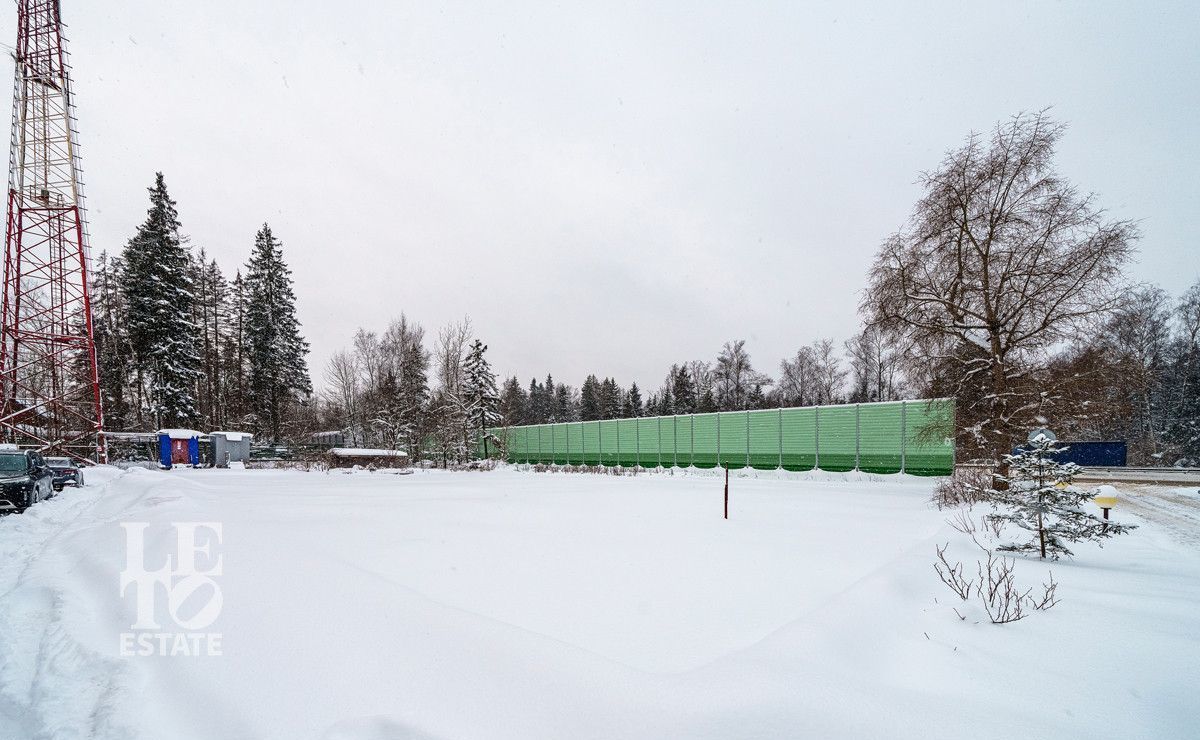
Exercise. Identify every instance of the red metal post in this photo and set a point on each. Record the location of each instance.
(49, 375)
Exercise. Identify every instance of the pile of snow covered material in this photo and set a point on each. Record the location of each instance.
(344, 457)
(365, 452)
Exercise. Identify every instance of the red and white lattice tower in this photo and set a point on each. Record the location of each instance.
(49, 379)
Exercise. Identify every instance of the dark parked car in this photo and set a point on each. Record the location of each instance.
(66, 472)
(25, 479)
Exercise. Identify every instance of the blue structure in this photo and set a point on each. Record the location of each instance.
(178, 446)
(1090, 454)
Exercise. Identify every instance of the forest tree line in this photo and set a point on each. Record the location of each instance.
(180, 345)
(1006, 290)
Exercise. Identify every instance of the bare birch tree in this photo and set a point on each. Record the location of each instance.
(1001, 260)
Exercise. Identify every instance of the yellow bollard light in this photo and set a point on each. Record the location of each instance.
(1106, 498)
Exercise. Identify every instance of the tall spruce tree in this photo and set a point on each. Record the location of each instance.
(631, 408)
(564, 403)
(109, 322)
(157, 285)
(549, 410)
(589, 399)
(276, 350)
(234, 354)
(513, 403)
(480, 391)
(683, 390)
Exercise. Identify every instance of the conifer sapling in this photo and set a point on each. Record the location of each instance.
(1042, 500)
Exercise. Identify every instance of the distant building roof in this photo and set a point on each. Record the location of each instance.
(181, 433)
(364, 452)
(234, 436)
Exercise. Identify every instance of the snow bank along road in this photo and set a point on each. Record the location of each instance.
(523, 605)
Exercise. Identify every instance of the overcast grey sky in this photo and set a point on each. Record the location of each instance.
(610, 187)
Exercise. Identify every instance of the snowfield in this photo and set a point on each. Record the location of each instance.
(512, 604)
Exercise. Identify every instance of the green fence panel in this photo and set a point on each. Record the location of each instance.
(836, 438)
(573, 448)
(627, 442)
(577, 455)
(666, 441)
(764, 439)
(928, 438)
(683, 441)
(537, 443)
(879, 437)
(734, 439)
(525, 444)
(799, 439)
(591, 442)
(558, 434)
(513, 437)
(608, 442)
(509, 435)
(528, 443)
(649, 445)
(704, 440)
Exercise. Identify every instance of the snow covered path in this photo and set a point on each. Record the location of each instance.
(522, 605)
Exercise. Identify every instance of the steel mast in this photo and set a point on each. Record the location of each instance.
(49, 378)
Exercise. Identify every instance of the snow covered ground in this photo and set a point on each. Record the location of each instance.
(513, 604)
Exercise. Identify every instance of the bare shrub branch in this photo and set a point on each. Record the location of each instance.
(952, 574)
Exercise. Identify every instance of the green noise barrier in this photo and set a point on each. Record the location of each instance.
(896, 436)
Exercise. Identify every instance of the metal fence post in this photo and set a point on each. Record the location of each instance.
(857, 435)
(747, 438)
(637, 442)
(692, 434)
(781, 439)
(718, 439)
(903, 432)
(675, 436)
(816, 437)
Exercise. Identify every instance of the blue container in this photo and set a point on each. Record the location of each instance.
(1090, 454)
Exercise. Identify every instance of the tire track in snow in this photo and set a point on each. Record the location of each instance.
(44, 670)
(1174, 510)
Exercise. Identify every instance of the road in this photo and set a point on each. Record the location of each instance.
(1159, 476)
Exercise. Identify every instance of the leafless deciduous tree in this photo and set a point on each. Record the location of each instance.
(797, 379)
(343, 393)
(735, 377)
(875, 361)
(1001, 260)
(829, 374)
(1137, 341)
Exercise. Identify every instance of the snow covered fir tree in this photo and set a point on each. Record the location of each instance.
(156, 283)
(275, 349)
(1040, 498)
(481, 393)
(179, 344)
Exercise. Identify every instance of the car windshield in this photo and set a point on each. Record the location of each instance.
(58, 462)
(13, 463)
